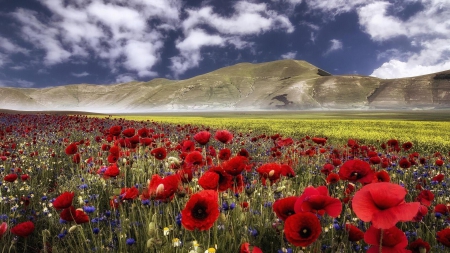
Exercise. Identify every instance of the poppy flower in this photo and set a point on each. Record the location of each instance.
(383, 204)
(162, 188)
(76, 158)
(129, 132)
(216, 179)
(438, 178)
(442, 209)
(10, 177)
(354, 233)
(443, 237)
(115, 130)
(332, 178)
(284, 207)
(129, 193)
(243, 152)
(327, 168)
(23, 229)
(202, 137)
(404, 163)
(71, 149)
(419, 246)
(194, 158)
(381, 176)
(356, 171)
(393, 240)
(317, 200)
(24, 177)
(302, 229)
(64, 200)
(76, 215)
(224, 154)
(187, 146)
(270, 171)
(439, 162)
(159, 153)
(80, 217)
(320, 141)
(246, 248)
(375, 160)
(287, 171)
(143, 132)
(201, 211)
(112, 171)
(425, 197)
(223, 136)
(3, 228)
(423, 210)
(235, 165)
(407, 146)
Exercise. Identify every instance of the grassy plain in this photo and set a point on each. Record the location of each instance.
(428, 130)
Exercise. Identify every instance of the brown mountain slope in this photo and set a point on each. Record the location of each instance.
(285, 84)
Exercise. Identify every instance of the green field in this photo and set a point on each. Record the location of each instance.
(427, 130)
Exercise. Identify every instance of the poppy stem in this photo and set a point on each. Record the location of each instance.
(381, 242)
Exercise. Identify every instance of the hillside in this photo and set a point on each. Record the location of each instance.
(285, 84)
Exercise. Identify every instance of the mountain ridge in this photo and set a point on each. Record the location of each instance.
(277, 85)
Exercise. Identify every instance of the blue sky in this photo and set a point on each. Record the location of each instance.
(57, 42)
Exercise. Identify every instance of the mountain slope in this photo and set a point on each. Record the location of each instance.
(285, 84)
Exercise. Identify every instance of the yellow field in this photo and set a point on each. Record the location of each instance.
(425, 135)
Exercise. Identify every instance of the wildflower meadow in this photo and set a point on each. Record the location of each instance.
(72, 183)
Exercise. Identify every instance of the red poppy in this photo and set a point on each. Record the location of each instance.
(24, 177)
(287, 171)
(404, 163)
(10, 177)
(393, 240)
(112, 171)
(201, 211)
(114, 150)
(327, 168)
(76, 158)
(425, 197)
(442, 209)
(318, 201)
(320, 141)
(3, 228)
(443, 237)
(383, 204)
(162, 188)
(72, 214)
(438, 178)
(332, 178)
(243, 152)
(269, 171)
(356, 171)
(439, 162)
(159, 153)
(246, 248)
(223, 136)
(64, 200)
(71, 149)
(115, 130)
(423, 210)
(202, 137)
(129, 132)
(23, 229)
(187, 146)
(224, 154)
(381, 176)
(375, 160)
(354, 233)
(302, 229)
(419, 246)
(216, 179)
(80, 216)
(194, 158)
(284, 207)
(407, 146)
(129, 193)
(235, 165)
(143, 132)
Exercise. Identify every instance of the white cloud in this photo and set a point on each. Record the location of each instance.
(289, 55)
(373, 19)
(121, 33)
(9, 47)
(3, 59)
(248, 19)
(190, 50)
(335, 7)
(335, 45)
(124, 78)
(82, 74)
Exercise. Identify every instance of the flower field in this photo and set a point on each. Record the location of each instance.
(88, 184)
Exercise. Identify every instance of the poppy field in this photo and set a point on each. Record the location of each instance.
(72, 183)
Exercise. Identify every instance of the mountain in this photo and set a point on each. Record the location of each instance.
(282, 85)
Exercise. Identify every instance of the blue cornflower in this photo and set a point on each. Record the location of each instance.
(130, 241)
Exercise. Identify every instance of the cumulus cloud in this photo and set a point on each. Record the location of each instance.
(289, 55)
(8, 46)
(122, 33)
(248, 19)
(82, 74)
(335, 45)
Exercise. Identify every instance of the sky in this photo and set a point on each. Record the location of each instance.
(45, 43)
